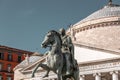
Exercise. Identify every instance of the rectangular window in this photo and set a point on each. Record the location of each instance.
(9, 78)
(9, 68)
(1, 77)
(19, 58)
(9, 57)
(1, 65)
(1, 55)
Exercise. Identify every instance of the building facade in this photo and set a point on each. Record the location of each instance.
(9, 58)
(97, 47)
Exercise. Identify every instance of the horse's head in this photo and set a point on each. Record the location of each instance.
(50, 38)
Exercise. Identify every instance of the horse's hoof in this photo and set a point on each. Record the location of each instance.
(33, 76)
(45, 76)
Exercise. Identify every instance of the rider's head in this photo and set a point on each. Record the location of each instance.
(62, 31)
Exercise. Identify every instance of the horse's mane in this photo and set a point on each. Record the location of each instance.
(57, 35)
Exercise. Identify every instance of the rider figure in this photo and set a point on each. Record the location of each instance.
(67, 45)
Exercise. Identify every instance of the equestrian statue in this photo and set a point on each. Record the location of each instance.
(60, 58)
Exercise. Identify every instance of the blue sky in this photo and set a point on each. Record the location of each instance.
(24, 23)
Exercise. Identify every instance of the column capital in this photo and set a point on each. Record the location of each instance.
(97, 74)
(114, 72)
(82, 76)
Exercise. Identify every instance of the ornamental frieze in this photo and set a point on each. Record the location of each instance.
(100, 66)
(104, 24)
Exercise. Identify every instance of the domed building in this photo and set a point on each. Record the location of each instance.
(99, 31)
(97, 46)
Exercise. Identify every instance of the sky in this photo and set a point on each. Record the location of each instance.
(24, 23)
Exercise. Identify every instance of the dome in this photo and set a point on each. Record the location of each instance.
(106, 11)
(100, 30)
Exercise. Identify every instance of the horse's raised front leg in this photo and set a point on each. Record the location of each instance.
(33, 72)
(44, 66)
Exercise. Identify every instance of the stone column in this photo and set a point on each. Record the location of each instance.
(97, 76)
(114, 75)
(82, 77)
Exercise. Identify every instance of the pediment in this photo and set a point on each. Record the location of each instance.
(31, 66)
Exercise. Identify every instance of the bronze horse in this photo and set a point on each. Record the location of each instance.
(56, 58)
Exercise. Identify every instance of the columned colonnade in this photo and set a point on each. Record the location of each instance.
(97, 76)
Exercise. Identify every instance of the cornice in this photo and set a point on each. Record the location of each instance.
(95, 48)
(97, 62)
(14, 49)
